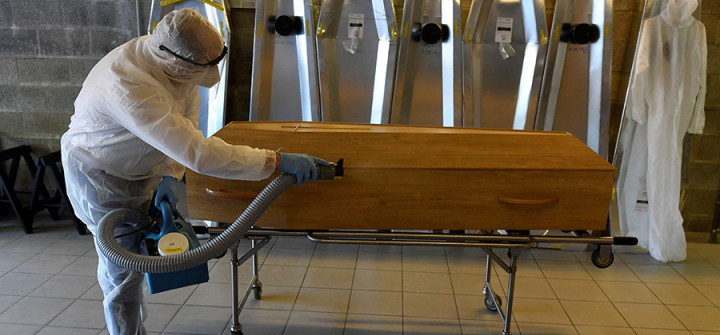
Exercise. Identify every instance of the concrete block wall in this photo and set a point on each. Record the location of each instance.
(47, 49)
(704, 170)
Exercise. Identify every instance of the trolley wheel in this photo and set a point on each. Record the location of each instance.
(491, 305)
(257, 292)
(601, 262)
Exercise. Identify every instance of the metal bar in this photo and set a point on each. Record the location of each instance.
(428, 236)
(235, 327)
(497, 259)
(510, 294)
(425, 243)
(252, 252)
(579, 240)
(247, 293)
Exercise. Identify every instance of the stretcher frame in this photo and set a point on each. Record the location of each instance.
(515, 243)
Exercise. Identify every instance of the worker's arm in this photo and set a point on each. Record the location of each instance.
(169, 167)
(697, 123)
(150, 114)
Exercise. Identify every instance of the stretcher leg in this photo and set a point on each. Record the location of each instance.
(235, 328)
(255, 286)
(511, 291)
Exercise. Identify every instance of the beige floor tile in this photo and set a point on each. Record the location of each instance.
(638, 258)
(83, 266)
(159, 316)
(378, 280)
(334, 259)
(46, 263)
(423, 250)
(383, 249)
(528, 287)
(554, 255)
(427, 326)
(322, 300)
(572, 289)
(661, 274)
(376, 302)
(337, 247)
(466, 265)
(220, 273)
(472, 307)
(616, 272)
(21, 283)
(525, 268)
(599, 330)
(466, 284)
(262, 322)
(427, 282)
(275, 297)
(211, 294)
(693, 258)
(711, 292)
(673, 294)
(486, 327)
(61, 286)
(314, 323)
(359, 324)
(628, 292)
(12, 329)
(277, 275)
(593, 313)
(546, 329)
(294, 242)
(645, 331)
(539, 311)
(329, 278)
(424, 263)
(698, 318)
(289, 257)
(563, 270)
(50, 330)
(173, 297)
(379, 261)
(465, 252)
(7, 301)
(35, 310)
(700, 275)
(82, 314)
(429, 305)
(648, 316)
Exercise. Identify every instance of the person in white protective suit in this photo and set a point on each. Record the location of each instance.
(668, 100)
(135, 129)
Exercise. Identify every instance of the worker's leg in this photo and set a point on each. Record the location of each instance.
(125, 307)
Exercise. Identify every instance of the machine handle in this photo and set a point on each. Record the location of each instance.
(528, 202)
(234, 195)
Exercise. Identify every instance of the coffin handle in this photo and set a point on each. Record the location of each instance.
(528, 202)
(234, 195)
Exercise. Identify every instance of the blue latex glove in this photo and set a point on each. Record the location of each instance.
(301, 165)
(166, 191)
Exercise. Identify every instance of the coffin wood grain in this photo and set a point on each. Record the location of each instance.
(401, 177)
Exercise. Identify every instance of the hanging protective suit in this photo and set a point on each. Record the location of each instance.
(136, 121)
(668, 100)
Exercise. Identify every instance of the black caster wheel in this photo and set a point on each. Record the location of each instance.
(257, 292)
(601, 262)
(491, 305)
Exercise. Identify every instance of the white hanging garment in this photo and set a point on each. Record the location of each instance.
(668, 100)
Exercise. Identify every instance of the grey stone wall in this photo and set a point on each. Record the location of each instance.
(46, 50)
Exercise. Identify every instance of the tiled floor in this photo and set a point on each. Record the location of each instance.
(48, 286)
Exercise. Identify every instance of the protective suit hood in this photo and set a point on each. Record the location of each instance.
(679, 12)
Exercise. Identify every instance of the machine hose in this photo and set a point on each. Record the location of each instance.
(191, 258)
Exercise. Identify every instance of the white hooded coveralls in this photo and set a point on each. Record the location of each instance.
(135, 121)
(668, 100)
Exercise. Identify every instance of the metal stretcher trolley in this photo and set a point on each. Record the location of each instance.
(501, 183)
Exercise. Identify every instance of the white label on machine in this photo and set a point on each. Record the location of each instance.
(355, 25)
(503, 30)
(642, 204)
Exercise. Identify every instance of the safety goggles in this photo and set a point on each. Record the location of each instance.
(211, 63)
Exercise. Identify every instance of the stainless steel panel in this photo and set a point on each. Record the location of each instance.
(575, 94)
(501, 91)
(356, 73)
(428, 83)
(212, 105)
(284, 79)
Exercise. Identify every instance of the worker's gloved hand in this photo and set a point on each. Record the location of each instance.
(166, 191)
(301, 165)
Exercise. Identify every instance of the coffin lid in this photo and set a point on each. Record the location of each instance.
(366, 146)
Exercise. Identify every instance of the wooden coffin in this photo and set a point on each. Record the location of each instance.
(407, 177)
